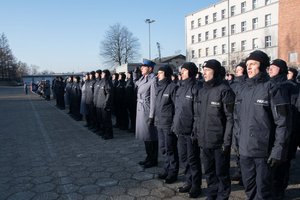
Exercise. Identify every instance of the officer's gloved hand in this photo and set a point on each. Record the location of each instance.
(273, 162)
(226, 149)
(194, 137)
(150, 121)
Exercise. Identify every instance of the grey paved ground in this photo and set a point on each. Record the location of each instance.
(45, 154)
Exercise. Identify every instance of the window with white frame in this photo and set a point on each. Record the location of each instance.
(243, 26)
(215, 50)
(232, 10)
(254, 4)
(206, 35)
(199, 37)
(268, 41)
(232, 29)
(199, 22)
(199, 53)
(233, 47)
(193, 53)
(268, 20)
(214, 17)
(223, 13)
(206, 51)
(293, 57)
(243, 45)
(223, 48)
(206, 19)
(267, 2)
(192, 24)
(223, 31)
(193, 39)
(215, 33)
(243, 7)
(255, 23)
(254, 43)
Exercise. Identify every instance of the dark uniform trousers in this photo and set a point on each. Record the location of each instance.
(99, 121)
(91, 117)
(189, 155)
(168, 147)
(216, 167)
(106, 123)
(256, 172)
(151, 151)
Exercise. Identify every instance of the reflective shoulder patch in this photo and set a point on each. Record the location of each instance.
(166, 95)
(189, 96)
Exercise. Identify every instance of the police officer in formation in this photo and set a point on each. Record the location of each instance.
(97, 108)
(91, 116)
(165, 92)
(213, 114)
(189, 151)
(263, 134)
(145, 129)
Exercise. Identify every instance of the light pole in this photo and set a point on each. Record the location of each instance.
(149, 21)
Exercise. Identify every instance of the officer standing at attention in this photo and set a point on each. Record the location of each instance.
(213, 125)
(189, 151)
(262, 123)
(104, 102)
(164, 111)
(145, 129)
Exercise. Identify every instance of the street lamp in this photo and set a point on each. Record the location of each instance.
(149, 21)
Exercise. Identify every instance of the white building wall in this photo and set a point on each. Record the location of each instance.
(260, 32)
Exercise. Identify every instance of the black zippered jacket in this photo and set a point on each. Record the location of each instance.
(214, 114)
(164, 110)
(261, 111)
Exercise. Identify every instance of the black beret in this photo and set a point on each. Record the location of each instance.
(281, 64)
(214, 65)
(167, 70)
(191, 67)
(261, 57)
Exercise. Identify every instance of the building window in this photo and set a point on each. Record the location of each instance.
(193, 39)
(206, 51)
(243, 7)
(254, 43)
(293, 57)
(193, 53)
(199, 22)
(223, 31)
(232, 10)
(232, 29)
(214, 17)
(254, 4)
(206, 35)
(215, 50)
(223, 13)
(243, 45)
(224, 63)
(199, 37)
(268, 20)
(268, 42)
(223, 48)
(192, 24)
(206, 19)
(255, 23)
(243, 26)
(199, 53)
(267, 2)
(215, 33)
(233, 46)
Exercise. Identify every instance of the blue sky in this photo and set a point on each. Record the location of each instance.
(65, 35)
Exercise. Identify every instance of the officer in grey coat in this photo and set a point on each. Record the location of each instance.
(145, 129)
